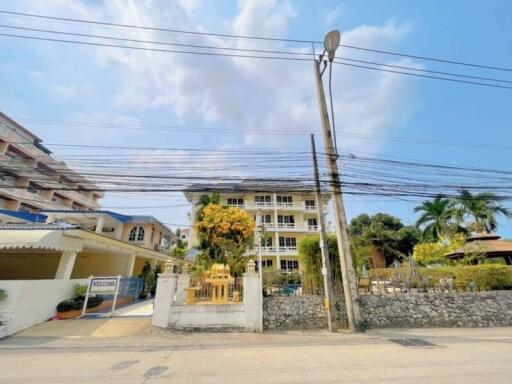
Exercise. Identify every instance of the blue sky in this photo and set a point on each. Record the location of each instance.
(42, 80)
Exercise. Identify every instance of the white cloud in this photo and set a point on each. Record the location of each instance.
(246, 94)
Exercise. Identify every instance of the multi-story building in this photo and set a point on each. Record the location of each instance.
(288, 212)
(30, 177)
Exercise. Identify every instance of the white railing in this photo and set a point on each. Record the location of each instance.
(310, 207)
(312, 228)
(291, 250)
(263, 250)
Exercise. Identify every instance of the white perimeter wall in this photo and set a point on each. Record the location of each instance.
(30, 302)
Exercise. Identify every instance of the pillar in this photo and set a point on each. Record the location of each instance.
(253, 299)
(66, 264)
(50, 218)
(164, 297)
(182, 284)
(99, 225)
(118, 234)
(130, 265)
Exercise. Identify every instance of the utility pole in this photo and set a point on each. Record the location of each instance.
(326, 263)
(355, 324)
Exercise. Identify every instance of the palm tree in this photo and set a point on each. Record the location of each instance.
(482, 208)
(205, 200)
(437, 217)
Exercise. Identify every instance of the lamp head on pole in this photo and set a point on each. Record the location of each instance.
(331, 43)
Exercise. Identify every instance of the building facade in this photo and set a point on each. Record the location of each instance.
(30, 176)
(287, 212)
(43, 245)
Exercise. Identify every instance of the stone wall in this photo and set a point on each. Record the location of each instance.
(294, 312)
(468, 309)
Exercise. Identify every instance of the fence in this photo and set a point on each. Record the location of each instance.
(203, 290)
(440, 279)
(277, 283)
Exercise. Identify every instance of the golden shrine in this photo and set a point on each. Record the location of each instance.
(219, 277)
(215, 284)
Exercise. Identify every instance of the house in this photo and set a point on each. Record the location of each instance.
(67, 244)
(288, 211)
(31, 179)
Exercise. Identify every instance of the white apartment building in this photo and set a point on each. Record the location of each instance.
(288, 212)
(30, 177)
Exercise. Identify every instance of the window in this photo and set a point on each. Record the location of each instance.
(236, 201)
(136, 234)
(288, 242)
(263, 200)
(264, 264)
(310, 204)
(153, 234)
(312, 222)
(285, 219)
(284, 200)
(266, 242)
(289, 265)
(265, 219)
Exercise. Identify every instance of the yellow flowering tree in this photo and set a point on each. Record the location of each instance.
(433, 253)
(224, 234)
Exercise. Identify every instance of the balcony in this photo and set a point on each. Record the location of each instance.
(287, 251)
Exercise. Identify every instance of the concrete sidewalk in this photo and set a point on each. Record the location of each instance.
(128, 350)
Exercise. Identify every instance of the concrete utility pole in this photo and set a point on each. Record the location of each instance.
(326, 263)
(331, 42)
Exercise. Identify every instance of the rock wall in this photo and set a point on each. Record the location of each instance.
(294, 312)
(468, 309)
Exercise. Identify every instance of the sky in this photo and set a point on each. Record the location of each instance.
(59, 82)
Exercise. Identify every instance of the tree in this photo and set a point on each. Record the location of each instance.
(205, 200)
(224, 234)
(482, 209)
(310, 257)
(429, 253)
(180, 249)
(382, 237)
(437, 217)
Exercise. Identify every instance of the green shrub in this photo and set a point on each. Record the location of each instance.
(487, 277)
(3, 295)
(79, 291)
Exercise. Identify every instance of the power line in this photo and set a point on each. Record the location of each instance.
(263, 38)
(87, 43)
(249, 50)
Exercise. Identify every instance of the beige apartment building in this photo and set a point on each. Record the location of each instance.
(28, 173)
(288, 212)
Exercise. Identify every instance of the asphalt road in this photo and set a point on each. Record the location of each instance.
(129, 351)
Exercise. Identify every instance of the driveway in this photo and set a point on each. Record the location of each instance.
(128, 350)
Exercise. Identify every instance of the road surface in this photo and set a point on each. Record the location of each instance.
(128, 350)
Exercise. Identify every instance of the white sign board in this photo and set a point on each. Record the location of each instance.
(103, 285)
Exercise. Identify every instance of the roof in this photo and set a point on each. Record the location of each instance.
(191, 255)
(117, 216)
(38, 226)
(27, 216)
(254, 185)
(38, 237)
(489, 244)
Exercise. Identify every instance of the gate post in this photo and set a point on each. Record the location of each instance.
(253, 298)
(164, 297)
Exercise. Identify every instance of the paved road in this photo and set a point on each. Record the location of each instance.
(129, 351)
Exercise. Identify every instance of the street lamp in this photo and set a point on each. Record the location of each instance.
(331, 43)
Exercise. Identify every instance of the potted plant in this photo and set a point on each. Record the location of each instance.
(69, 309)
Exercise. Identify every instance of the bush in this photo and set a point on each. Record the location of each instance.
(487, 277)
(3, 295)
(77, 304)
(79, 291)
